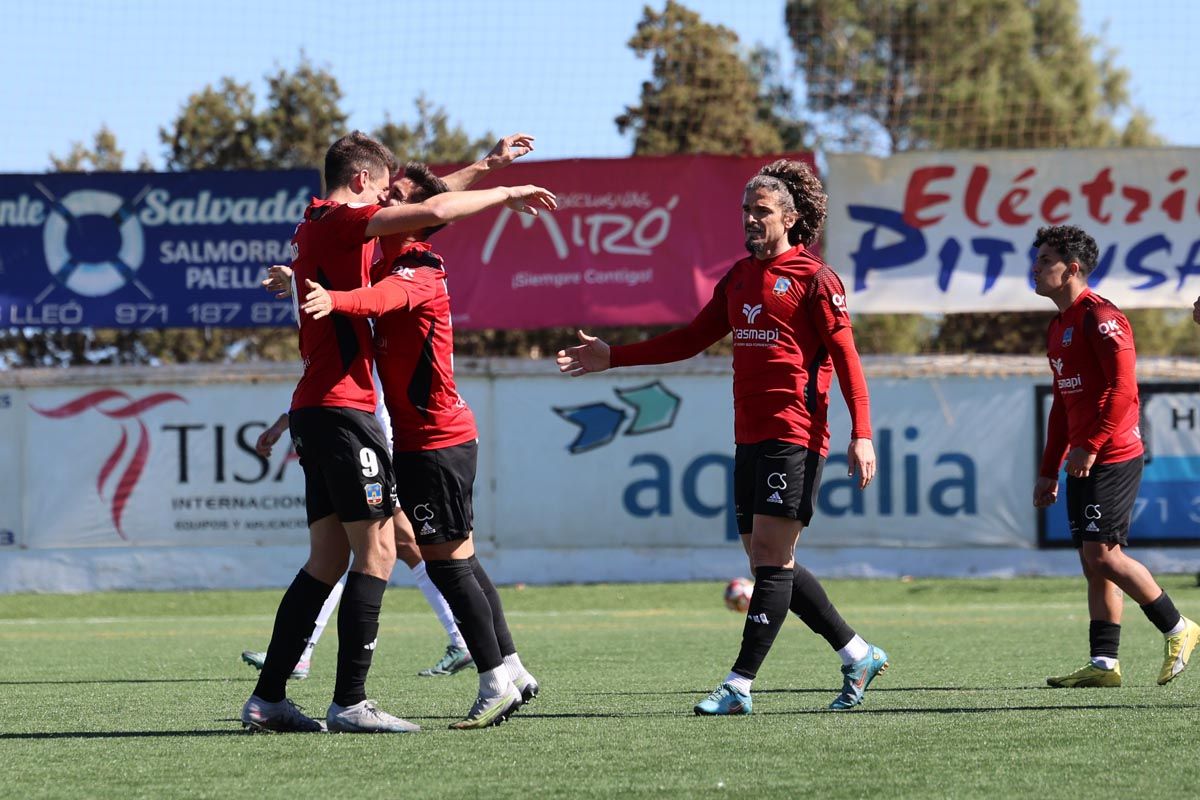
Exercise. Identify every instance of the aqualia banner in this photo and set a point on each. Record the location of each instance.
(954, 231)
(147, 250)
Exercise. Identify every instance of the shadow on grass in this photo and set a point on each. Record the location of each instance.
(120, 734)
(830, 689)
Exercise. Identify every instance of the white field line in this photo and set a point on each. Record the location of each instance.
(587, 612)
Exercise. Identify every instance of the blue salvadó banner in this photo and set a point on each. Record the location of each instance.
(147, 250)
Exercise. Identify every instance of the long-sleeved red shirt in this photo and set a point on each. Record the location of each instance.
(791, 332)
(1093, 360)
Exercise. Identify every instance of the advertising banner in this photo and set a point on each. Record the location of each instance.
(954, 231)
(1167, 509)
(635, 241)
(146, 250)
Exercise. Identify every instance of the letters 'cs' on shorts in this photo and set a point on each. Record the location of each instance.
(347, 466)
(776, 479)
(1099, 507)
(436, 489)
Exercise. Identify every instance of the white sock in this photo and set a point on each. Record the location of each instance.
(494, 682)
(1179, 626)
(855, 650)
(438, 603)
(739, 682)
(1104, 662)
(335, 594)
(515, 668)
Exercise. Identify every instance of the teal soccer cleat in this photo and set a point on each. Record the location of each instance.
(857, 677)
(724, 701)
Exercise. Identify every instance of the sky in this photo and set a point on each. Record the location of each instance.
(555, 68)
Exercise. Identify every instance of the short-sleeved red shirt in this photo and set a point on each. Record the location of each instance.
(330, 248)
(783, 313)
(1082, 344)
(414, 346)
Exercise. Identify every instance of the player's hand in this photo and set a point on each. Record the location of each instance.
(1079, 462)
(317, 303)
(594, 355)
(279, 281)
(508, 150)
(860, 458)
(268, 438)
(1196, 311)
(530, 199)
(1045, 492)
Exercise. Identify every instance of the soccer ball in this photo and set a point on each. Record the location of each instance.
(737, 594)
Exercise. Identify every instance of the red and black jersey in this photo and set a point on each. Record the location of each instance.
(414, 346)
(1093, 361)
(330, 248)
(791, 330)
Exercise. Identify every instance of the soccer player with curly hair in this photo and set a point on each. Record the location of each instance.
(791, 332)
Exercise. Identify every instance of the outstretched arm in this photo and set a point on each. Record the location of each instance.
(369, 301)
(506, 151)
(451, 206)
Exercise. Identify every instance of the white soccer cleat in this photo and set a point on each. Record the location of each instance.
(364, 717)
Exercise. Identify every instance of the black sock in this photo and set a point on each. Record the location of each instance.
(812, 605)
(358, 629)
(294, 623)
(1105, 638)
(457, 582)
(1162, 613)
(768, 610)
(499, 623)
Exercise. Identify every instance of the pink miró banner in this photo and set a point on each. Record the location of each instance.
(635, 241)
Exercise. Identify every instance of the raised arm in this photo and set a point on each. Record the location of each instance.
(506, 151)
(450, 206)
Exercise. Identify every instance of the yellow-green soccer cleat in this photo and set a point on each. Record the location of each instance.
(1178, 650)
(1089, 675)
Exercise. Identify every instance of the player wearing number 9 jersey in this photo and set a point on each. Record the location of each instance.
(348, 484)
(791, 332)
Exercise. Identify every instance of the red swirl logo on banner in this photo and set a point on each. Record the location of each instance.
(137, 463)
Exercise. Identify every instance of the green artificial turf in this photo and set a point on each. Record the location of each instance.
(129, 695)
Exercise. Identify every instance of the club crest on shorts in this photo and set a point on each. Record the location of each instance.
(374, 492)
(782, 285)
(1068, 334)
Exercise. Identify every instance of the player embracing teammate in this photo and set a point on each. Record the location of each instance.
(349, 484)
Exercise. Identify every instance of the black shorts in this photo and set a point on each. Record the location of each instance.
(347, 468)
(776, 479)
(435, 488)
(1100, 506)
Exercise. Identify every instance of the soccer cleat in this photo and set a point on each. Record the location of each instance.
(455, 660)
(1088, 676)
(284, 717)
(1178, 650)
(528, 686)
(857, 677)
(724, 700)
(365, 717)
(257, 659)
(490, 711)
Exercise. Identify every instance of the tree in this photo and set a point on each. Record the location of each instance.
(702, 97)
(974, 74)
(302, 116)
(217, 128)
(104, 155)
(432, 138)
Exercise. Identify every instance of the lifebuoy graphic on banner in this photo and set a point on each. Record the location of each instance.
(93, 242)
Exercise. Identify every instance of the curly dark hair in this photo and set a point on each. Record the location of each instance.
(808, 196)
(426, 186)
(1072, 244)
